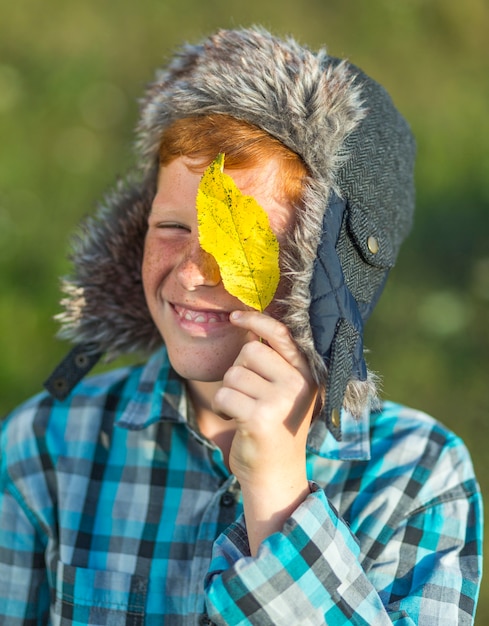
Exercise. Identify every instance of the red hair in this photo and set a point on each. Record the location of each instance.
(245, 145)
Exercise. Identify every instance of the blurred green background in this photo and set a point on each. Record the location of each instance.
(70, 76)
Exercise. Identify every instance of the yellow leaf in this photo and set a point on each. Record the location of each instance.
(235, 230)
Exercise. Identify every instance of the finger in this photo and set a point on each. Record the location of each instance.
(266, 362)
(233, 404)
(247, 380)
(275, 333)
(270, 368)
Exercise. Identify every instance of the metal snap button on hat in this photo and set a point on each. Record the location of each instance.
(373, 244)
(82, 360)
(60, 384)
(335, 418)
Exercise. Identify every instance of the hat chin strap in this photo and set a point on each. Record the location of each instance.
(343, 360)
(336, 321)
(76, 364)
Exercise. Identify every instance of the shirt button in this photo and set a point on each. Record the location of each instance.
(205, 621)
(227, 499)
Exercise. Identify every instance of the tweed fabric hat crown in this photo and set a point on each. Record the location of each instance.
(357, 205)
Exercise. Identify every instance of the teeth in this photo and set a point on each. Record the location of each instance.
(200, 317)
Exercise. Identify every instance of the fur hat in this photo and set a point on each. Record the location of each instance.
(358, 203)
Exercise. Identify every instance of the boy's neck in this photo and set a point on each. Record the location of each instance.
(217, 429)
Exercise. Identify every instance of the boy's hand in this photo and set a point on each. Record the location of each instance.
(270, 394)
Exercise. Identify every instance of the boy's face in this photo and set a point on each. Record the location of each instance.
(182, 283)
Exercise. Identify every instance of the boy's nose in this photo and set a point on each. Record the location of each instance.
(198, 268)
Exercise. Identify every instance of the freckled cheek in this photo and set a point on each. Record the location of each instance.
(157, 263)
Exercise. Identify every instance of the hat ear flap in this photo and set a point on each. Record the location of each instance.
(336, 321)
(104, 301)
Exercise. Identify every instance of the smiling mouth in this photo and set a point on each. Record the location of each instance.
(201, 317)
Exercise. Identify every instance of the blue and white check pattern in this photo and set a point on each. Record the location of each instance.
(115, 511)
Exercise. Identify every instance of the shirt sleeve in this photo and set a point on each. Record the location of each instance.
(311, 572)
(24, 592)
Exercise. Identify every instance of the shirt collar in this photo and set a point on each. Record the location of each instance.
(160, 395)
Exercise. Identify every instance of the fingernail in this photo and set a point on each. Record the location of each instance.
(235, 315)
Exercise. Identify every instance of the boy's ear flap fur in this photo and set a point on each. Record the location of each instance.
(104, 302)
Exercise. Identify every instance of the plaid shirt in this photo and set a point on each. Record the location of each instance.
(114, 510)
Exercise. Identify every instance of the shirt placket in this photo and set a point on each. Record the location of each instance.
(219, 514)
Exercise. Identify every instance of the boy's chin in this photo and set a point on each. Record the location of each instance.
(192, 372)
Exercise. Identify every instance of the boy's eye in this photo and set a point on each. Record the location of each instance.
(172, 225)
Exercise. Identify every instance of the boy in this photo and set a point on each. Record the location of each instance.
(246, 473)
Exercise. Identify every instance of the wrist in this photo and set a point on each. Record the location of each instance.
(267, 508)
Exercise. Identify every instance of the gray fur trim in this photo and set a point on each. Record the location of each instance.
(104, 301)
(308, 101)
